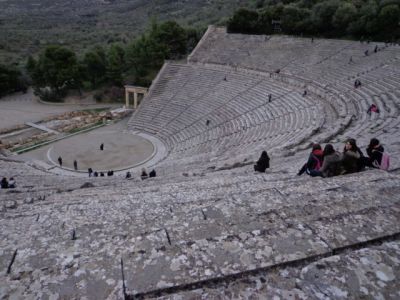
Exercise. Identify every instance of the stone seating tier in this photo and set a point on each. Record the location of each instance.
(171, 234)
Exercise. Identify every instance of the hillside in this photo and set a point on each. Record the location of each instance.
(30, 25)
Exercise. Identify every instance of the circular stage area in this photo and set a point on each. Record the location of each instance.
(122, 150)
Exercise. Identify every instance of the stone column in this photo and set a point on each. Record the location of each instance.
(135, 98)
(126, 98)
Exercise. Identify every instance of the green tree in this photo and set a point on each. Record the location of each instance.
(115, 64)
(244, 21)
(57, 68)
(9, 80)
(322, 15)
(343, 16)
(172, 36)
(144, 55)
(95, 66)
(295, 20)
(388, 20)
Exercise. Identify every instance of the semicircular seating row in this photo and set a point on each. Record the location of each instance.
(241, 118)
(331, 64)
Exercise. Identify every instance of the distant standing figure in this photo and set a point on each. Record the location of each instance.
(351, 59)
(75, 165)
(269, 98)
(262, 163)
(376, 49)
(144, 174)
(90, 171)
(305, 93)
(102, 147)
(60, 161)
(207, 122)
(366, 52)
(152, 173)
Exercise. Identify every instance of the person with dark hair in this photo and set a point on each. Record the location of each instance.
(11, 183)
(152, 173)
(262, 163)
(102, 147)
(352, 157)
(96, 174)
(314, 161)
(332, 164)
(128, 175)
(375, 151)
(4, 183)
(144, 174)
(60, 161)
(75, 165)
(101, 174)
(90, 171)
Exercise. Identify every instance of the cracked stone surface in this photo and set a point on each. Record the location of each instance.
(208, 227)
(198, 229)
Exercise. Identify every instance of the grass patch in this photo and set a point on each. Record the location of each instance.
(76, 130)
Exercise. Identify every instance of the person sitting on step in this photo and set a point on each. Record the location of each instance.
(352, 159)
(152, 173)
(11, 183)
(332, 164)
(314, 161)
(262, 163)
(144, 174)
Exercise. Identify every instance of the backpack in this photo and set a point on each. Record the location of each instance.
(318, 163)
(385, 162)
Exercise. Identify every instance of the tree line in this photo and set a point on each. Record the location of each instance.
(57, 70)
(357, 19)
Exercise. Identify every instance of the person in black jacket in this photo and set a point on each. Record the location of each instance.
(4, 183)
(262, 163)
(353, 158)
(375, 151)
(152, 173)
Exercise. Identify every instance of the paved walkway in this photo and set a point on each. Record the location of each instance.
(21, 108)
(41, 127)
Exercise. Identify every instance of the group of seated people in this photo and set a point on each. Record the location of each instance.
(143, 175)
(101, 174)
(329, 162)
(7, 184)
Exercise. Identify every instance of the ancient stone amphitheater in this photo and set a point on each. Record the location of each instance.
(209, 227)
